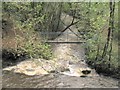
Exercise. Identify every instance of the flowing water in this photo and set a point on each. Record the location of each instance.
(12, 80)
(62, 52)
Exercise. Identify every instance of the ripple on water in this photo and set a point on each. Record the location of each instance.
(12, 80)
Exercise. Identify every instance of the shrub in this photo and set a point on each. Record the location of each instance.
(32, 47)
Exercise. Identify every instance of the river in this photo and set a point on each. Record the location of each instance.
(62, 52)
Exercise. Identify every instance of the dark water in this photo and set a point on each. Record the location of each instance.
(12, 80)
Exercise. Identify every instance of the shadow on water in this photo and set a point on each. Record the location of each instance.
(14, 80)
(23, 81)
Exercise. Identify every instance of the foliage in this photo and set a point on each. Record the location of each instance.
(93, 27)
(26, 18)
(95, 33)
(33, 17)
(32, 47)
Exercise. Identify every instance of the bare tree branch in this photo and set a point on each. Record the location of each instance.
(73, 23)
(71, 30)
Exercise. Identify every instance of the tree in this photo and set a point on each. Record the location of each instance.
(110, 32)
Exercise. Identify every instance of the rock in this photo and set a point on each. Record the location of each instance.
(48, 65)
(29, 68)
(60, 84)
(9, 68)
(39, 70)
(72, 74)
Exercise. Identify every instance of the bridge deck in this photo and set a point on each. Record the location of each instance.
(64, 41)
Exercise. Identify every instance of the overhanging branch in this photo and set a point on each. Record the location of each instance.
(72, 23)
(72, 31)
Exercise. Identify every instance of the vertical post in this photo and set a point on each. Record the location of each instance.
(112, 8)
(0, 45)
